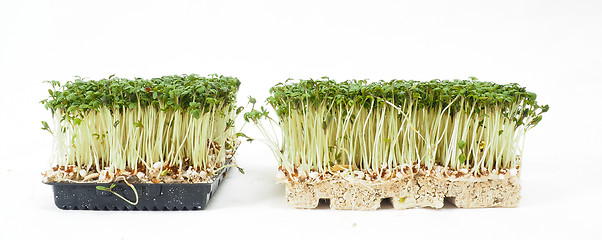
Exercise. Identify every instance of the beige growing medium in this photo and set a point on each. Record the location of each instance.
(415, 143)
(421, 189)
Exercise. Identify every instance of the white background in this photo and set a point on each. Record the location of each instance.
(553, 48)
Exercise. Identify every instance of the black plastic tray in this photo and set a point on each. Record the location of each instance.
(159, 196)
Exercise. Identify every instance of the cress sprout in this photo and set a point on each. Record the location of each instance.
(115, 124)
(460, 124)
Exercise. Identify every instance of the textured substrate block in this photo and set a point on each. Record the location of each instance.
(419, 190)
(160, 196)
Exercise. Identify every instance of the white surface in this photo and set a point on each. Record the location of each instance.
(551, 47)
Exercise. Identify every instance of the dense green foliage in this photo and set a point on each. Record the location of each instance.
(184, 92)
(432, 94)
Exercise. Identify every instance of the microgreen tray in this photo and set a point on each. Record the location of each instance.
(159, 196)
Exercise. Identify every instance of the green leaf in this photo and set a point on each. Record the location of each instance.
(252, 100)
(211, 101)
(462, 158)
(229, 124)
(338, 156)
(239, 110)
(102, 188)
(46, 127)
(116, 123)
(196, 113)
(461, 144)
(536, 120)
(239, 134)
